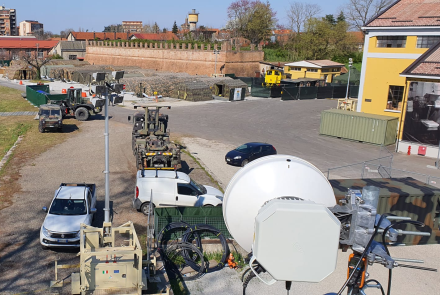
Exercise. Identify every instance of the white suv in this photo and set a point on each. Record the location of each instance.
(72, 205)
(172, 189)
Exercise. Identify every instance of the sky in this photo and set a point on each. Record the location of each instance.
(93, 15)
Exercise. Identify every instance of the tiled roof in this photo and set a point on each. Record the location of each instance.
(83, 36)
(428, 64)
(358, 35)
(156, 37)
(408, 13)
(324, 63)
(27, 44)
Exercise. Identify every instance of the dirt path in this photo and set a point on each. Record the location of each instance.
(24, 266)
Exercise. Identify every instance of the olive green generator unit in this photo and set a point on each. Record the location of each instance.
(369, 128)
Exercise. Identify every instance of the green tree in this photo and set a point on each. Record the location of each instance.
(175, 28)
(114, 28)
(341, 17)
(322, 40)
(253, 20)
(330, 19)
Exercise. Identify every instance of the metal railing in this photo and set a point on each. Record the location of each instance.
(380, 168)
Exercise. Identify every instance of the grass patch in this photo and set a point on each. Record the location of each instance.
(358, 66)
(10, 129)
(11, 101)
(33, 144)
(217, 256)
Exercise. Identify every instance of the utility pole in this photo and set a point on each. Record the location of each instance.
(350, 63)
(106, 171)
(216, 52)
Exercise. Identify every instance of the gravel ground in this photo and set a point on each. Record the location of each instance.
(24, 266)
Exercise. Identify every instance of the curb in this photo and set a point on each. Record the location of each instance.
(9, 153)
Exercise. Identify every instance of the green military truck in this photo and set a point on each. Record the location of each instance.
(50, 117)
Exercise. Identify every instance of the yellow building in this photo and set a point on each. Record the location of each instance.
(420, 119)
(394, 39)
(317, 69)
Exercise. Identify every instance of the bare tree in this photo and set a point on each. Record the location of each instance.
(299, 13)
(64, 33)
(36, 62)
(358, 12)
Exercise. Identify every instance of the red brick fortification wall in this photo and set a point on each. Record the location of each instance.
(191, 61)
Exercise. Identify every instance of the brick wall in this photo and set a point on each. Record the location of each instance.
(192, 61)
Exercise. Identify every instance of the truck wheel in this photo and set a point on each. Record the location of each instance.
(82, 114)
(145, 208)
(40, 128)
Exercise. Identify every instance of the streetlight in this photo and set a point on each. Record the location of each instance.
(216, 52)
(350, 63)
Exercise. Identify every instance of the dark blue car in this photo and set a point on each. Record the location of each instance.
(249, 152)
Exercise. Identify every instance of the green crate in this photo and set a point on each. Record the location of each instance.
(212, 216)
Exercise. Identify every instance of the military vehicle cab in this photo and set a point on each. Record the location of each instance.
(50, 117)
(151, 140)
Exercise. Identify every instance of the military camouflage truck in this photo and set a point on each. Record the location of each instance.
(151, 141)
(50, 117)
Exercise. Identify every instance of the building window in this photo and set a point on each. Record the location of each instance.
(395, 96)
(325, 70)
(391, 41)
(295, 69)
(336, 70)
(73, 57)
(312, 70)
(40, 54)
(427, 41)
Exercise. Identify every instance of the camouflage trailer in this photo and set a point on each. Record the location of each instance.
(50, 117)
(151, 141)
(403, 197)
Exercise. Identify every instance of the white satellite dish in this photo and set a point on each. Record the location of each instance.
(265, 179)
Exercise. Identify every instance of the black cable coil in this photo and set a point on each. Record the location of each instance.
(193, 231)
(175, 262)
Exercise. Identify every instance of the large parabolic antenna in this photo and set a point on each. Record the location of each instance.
(269, 178)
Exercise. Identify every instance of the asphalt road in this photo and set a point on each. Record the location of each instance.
(291, 126)
(11, 84)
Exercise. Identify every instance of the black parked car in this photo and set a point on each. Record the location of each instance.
(249, 152)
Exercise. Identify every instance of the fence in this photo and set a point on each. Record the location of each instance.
(208, 215)
(380, 167)
(292, 92)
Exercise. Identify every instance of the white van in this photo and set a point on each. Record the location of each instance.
(172, 189)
